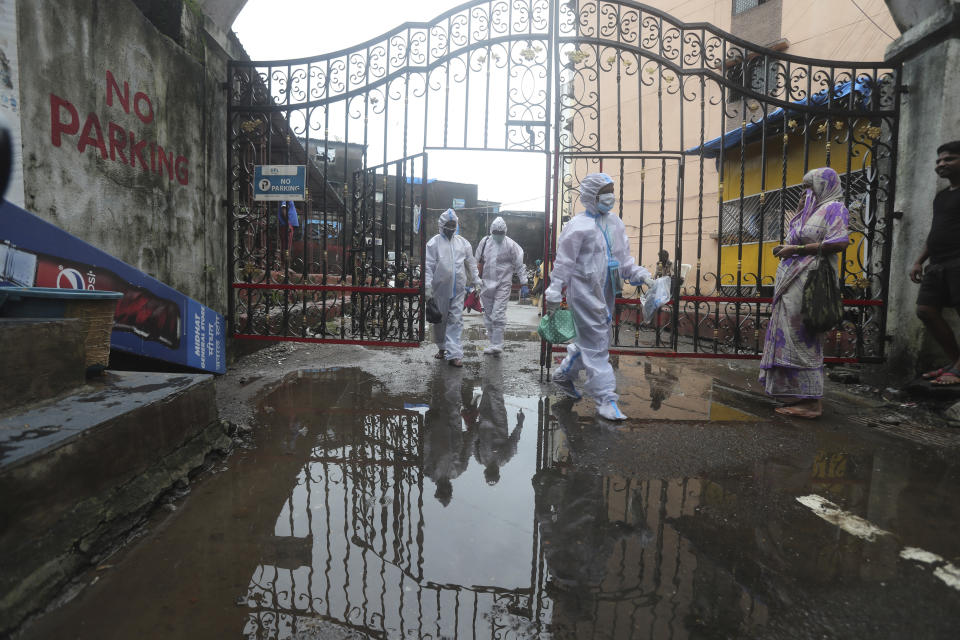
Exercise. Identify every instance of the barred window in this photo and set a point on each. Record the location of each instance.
(739, 6)
(757, 74)
(767, 218)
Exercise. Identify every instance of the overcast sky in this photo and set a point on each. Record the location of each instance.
(283, 29)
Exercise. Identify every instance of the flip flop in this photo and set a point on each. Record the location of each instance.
(935, 373)
(948, 378)
(440, 355)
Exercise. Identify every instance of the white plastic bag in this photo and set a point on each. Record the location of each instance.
(657, 295)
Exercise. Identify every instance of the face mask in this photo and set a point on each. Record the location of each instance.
(448, 233)
(605, 202)
(498, 238)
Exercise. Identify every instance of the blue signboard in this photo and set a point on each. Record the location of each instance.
(152, 319)
(459, 203)
(279, 182)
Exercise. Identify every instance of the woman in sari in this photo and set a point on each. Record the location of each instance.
(792, 362)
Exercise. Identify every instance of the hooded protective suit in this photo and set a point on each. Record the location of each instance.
(587, 244)
(501, 260)
(450, 268)
(446, 446)
(495, 445)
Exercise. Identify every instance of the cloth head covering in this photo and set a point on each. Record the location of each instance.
(825, 188)
(446, 217)
(499, 225)
(825, 184)
(590, 189)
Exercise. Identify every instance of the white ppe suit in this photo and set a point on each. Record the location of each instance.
(585, 249)
(446, 446)
(495, 445)
(450, 268)
(501, 260)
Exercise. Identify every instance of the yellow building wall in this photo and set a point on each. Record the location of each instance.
(753, 180)
(743, 258)
(852, 256)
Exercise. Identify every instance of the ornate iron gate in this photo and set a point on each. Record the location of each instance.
(707, 136)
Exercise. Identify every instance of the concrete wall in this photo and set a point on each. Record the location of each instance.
(909, 13)
(526, 228)
(123, 130)
(761, 24)
(929, 117)
(833, 30)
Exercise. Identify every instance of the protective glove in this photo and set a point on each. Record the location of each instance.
(479, 287)
(636, 282)
(428, 292)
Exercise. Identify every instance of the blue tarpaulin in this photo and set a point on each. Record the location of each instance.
(711, 148)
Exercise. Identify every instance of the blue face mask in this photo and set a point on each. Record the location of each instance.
(605, 202)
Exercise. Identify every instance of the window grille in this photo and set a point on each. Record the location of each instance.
(739, 6)
(770, 218)
(757, 74)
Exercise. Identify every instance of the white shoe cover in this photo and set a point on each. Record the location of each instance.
(492, 350)
(568, 388)
(611, 411)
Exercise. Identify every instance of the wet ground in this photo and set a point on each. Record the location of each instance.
(382, 494)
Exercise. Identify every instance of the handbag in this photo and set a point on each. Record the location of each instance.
(433, 312)
(472, 301)
(557, 327)
(822, 305)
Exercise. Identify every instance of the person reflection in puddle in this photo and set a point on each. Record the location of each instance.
(494, 444)
(446, 445)
(661, 383)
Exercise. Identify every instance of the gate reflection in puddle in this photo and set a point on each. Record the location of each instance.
(422, 521)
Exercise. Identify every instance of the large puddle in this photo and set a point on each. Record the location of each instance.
(468, 512)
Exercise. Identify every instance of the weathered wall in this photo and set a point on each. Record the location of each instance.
(909, 13)
(761, 24)
(123, 131)
(928, 117)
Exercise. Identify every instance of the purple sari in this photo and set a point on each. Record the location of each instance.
(792, 362)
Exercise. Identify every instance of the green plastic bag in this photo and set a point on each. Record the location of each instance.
(557, 327)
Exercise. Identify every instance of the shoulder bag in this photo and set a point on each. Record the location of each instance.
(822, 306)
(483, 248)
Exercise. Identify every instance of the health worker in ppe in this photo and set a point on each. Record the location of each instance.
(451, 271)
(495, 445)
(499, 258)
(593, 258)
